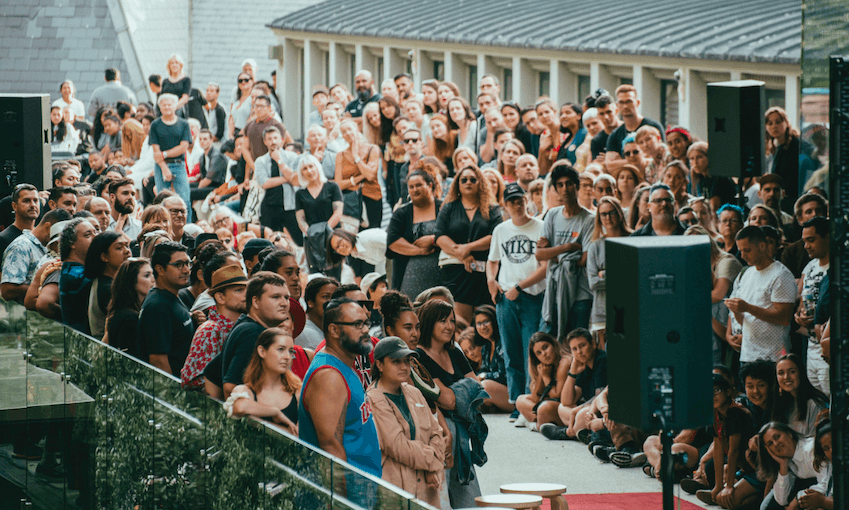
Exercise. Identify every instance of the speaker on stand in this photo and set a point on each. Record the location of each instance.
(24, 141)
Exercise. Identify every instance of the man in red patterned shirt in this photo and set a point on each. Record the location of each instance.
(228, 290)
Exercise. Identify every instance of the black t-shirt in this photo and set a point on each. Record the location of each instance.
(458, 362)
(595, 378)
(104, 292)
(355, 107)
(599, 143)
(186, 296)
(121, 328)
(7, 236)
(178, 88)
(165, 327)
(7, 214)
(718, 186)
(169, 136)
(453, 222)
(238, 349)
(320, 208)
(737, 420)
(614, 141)
(212, 371)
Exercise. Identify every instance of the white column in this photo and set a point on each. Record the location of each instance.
(601, 77)
(291, 83)
(736, 75)
(393, 63)
(487, 66)
(359, 57)
(692, 105)
(648, 90)
(313, 75)
(792, 101)
(424, 68)
(563, 82)
(523, 82)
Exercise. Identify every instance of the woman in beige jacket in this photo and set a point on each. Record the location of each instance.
(411, 443)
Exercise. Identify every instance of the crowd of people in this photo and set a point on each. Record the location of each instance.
(421, 262)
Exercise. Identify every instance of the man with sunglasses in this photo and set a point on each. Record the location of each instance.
(413, 147)
(165, 327)
(334, 412)
(662, 208)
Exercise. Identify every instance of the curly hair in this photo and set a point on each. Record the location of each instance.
(485, 199)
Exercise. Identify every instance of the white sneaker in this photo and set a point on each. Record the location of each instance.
(534, 427)
(520, 422)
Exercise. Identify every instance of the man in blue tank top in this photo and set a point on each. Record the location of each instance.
(334, 413)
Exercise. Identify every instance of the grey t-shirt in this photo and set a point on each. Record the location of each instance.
(560, 230)
(311, 336)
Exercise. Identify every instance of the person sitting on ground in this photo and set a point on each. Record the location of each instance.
(411, 440)
(788, 458)
(270, 388)
(548, 370)
(586, 378)
(821, 495)
(492, 371)
(799, 402)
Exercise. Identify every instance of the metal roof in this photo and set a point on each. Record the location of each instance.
(752, 31)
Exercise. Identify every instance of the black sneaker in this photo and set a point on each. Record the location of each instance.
(602, 452)
(691, 486)
(627, 459)
(585, 436)
(513, 416)
(553, 432)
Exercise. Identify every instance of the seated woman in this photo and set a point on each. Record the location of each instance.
(548, 370)
(63, 136)
(270, 387)
(788, 458)
(798, 402)
(411, 443)
(821, 495)
(492, 371)
(586, 378)
(448, 366)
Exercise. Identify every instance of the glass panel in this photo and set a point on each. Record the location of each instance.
(128, 423)
(351, 489)
(237, 464)
(302, 473)
(14, 433)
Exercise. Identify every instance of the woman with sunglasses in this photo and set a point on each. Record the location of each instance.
(240, 110)
(463, 232)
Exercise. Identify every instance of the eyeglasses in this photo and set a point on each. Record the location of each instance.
(629, 153)
(411, 140)
(244, 80)
(608, 214)
(356, 324)
(483, 324)
(177, 212)
(661, 201)
(690, 221)
(180, 264)
(466, 180)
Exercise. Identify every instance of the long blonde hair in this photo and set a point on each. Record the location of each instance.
(790, 134)
(371, 133)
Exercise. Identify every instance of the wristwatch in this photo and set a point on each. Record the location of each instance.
(518, 288)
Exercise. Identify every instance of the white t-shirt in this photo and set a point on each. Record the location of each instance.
(775, 284)
(514, 247)
(812, 275)
(77, 107)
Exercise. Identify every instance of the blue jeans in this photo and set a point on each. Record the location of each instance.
(579, 317)
(517, 321)
(180, 181)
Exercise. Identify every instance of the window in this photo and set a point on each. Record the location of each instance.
(379, 76)
(583, 90)
(774, 98)
(473, 83)
(353, 63)
(507, 87)
(544, 83)
(438, 70)
(668, 103)
(626, 81)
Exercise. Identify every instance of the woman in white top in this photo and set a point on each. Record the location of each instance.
(68, 91)
(240, 110)
(789, 459)
(798, 402)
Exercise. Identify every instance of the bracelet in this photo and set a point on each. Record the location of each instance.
(570, 374)
(352, 182)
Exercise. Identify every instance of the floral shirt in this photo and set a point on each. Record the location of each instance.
(21, 258)
(206, 344)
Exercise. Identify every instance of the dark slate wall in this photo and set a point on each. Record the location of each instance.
(44, 42)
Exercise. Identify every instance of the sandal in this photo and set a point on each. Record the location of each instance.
(648, 469)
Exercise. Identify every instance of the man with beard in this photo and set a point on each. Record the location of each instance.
(97, 164)
(26, 206)
(165, 325)
(404, 84)
(364, 85)
(662, 209)
(122, 193)
(334, 413)
(214, 112)
(228, 290)
(255, 129)
(267, 304)
(771, 194)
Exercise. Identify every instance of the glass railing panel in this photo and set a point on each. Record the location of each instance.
(15, 441)
(297, 472)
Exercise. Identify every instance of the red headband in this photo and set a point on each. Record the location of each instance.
(681, 131)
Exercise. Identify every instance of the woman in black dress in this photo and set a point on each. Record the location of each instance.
(129, 288)
(463, 232)
(411, 237)
(318, 200)
(177, 83)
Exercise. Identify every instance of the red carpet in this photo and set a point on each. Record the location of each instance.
(633, 501)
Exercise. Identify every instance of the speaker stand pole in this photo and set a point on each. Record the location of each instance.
(666, 462)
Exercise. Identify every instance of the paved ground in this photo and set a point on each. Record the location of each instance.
(519, 455)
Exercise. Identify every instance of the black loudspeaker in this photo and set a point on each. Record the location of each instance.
(24, 141)
(659, 336)
(736, 128)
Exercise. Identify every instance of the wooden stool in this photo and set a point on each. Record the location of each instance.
(518, 501)
(551, 491)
